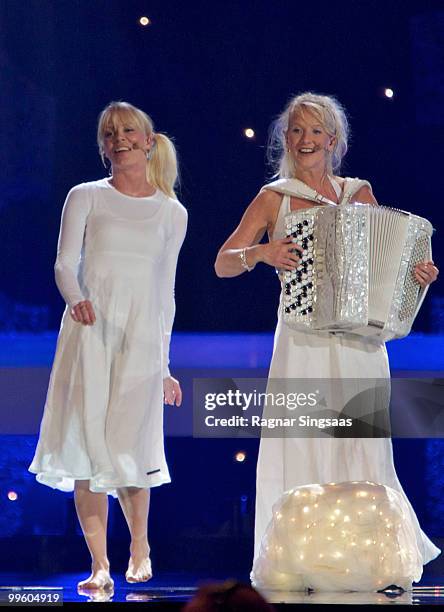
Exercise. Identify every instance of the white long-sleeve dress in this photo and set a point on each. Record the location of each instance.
(103, 417)
(285, 463)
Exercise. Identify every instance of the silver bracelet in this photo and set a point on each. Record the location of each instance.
(243, 260)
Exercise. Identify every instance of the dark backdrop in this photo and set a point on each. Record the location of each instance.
(205, 71)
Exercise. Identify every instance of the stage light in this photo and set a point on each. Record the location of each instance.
(12, 496)
(240, 456)
(144, 21)
(388, 93)
(249, 133)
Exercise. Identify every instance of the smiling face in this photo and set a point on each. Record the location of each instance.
(123, 137)
(124, 142)
(309, 144)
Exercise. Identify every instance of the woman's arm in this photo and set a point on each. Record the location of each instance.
(69, 247)
(167, 280)
(259, 216)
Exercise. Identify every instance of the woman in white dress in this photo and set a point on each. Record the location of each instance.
(310, 138)
(102, 428)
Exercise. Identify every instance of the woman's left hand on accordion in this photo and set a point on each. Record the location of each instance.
(425, 273)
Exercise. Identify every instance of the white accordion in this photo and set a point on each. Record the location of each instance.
(356, 270)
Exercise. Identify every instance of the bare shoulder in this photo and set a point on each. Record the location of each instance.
(265, 204)
(268, 197)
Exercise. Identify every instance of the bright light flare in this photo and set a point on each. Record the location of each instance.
(240, 456)
(249, 132)
(12, 496)
(144, 21)
(389, 93)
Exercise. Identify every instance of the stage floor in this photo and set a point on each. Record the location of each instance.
(171, 591)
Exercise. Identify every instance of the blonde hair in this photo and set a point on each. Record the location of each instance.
(161, 168)
(329, 113)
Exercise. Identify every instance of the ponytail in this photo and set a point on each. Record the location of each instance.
(161, 170)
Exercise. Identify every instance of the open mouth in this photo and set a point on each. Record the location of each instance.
(122, 150)
(307, 150)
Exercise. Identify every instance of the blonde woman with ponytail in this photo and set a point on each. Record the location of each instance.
(102, 429)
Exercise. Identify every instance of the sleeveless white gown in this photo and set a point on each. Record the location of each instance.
(285, 463)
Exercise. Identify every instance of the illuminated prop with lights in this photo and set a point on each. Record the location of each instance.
(356, 269)
(356, 536)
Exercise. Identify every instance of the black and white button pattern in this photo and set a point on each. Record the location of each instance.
(298, 284)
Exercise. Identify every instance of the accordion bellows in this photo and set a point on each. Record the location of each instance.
(356, 272)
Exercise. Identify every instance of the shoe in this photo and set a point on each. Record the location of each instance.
(142, 574)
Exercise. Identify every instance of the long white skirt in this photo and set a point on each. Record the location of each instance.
(285, 463)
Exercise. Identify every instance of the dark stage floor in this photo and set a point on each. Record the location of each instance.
(171, 591)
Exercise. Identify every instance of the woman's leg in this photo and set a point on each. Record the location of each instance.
(135, 505)
(92, 510)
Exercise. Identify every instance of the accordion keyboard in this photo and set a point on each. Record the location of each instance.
(298, 284)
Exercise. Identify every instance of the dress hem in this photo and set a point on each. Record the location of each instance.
(61, 482)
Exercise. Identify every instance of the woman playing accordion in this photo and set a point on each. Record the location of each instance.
(310, 138)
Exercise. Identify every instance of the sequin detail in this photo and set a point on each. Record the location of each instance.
(351, 255)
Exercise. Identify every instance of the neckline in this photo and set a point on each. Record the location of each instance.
(336, 186)
(125, 195)
(315, 196)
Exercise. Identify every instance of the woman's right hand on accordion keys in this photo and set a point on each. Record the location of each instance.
(281, 254)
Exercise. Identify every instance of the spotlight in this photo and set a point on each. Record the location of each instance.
(388, 93)
(249, 133)
(12, 496)
(240, 456)
(144, 21)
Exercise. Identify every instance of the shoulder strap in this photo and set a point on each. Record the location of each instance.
(352, 186)
(295, 187)
(286, 204)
